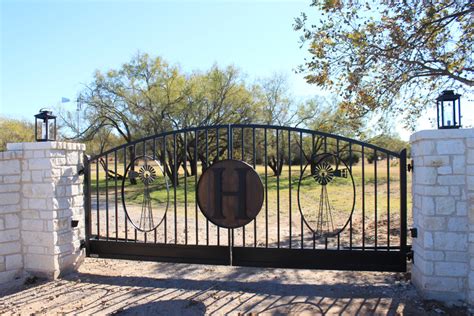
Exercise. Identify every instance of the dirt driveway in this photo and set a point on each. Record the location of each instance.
(137, 288)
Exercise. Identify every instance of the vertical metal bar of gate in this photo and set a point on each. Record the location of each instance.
(388, 202)
(254, 162)
(313, 154)
(175, 176)
(217, 159)
(87, 202)
(403, 202)
(242, 155)
(278, 186)
(289, 188)
(196, 219)
(375, 200)
(116, 197)
(350, 220)
(207, 165)
(185, 167)
(124, 174)
(97, 196)
(230, 231)
(165, 220)
(301, 171)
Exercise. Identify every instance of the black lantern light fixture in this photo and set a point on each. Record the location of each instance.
(448, 106)
(45, 126)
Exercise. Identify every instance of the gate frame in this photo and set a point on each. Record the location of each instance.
(366, 260)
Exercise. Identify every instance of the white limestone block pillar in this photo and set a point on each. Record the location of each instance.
(443, 214)
(11, 258)
(49, 190)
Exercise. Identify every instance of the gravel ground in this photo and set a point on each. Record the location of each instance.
(125, 287)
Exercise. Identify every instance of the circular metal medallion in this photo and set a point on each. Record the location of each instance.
(326, 195)
(145, 193)
(230, 193)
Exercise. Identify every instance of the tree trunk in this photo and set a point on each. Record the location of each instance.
(193, 166)
(203, 160)
(132, 155)
(169, 167)
(185, 169)
(276, 166)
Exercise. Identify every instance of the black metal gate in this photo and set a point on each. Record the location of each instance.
(329, 202)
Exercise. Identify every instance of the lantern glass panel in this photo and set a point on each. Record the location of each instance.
(39, 129)
(449, 118)
(52, 129)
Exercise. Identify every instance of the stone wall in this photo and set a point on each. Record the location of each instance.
(11, 258)
(443, 213)
(41, 193)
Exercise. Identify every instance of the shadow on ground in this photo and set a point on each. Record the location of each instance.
(137, 288)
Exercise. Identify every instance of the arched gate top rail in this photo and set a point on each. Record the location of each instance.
(250, 126)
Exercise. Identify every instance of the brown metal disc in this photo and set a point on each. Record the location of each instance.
(230, 193)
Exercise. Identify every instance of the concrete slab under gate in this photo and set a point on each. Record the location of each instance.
(103, 286)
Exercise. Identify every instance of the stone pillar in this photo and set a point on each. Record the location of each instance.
(443, 213)
(50, 196)
(11, 258)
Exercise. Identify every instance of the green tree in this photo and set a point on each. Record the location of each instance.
(388, 141)
(276, 106)
(275, 100)
(384, 56)
(15, 131)
(130, 102)
(218, 96)
(327, 116)
(103, 140)
(147, 96)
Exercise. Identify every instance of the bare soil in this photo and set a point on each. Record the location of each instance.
(270, 229)
(107, 287)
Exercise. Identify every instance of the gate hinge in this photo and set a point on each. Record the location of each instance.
(410, 166)
(414, 232)
(81, 170)
(410, 254)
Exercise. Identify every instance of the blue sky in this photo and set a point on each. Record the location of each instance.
(49, 49)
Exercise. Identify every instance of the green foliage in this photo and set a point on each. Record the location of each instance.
(147, 96)
(14, 131)
(390, 56)
(275, 101)
(350, 158)
(103, 140)
(387, 141)
(327, 116)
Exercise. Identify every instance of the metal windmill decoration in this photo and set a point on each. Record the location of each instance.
(323, 173)
(147, 175)
(317, 203)
(145, 214)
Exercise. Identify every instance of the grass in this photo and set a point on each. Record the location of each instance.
(340, 191)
